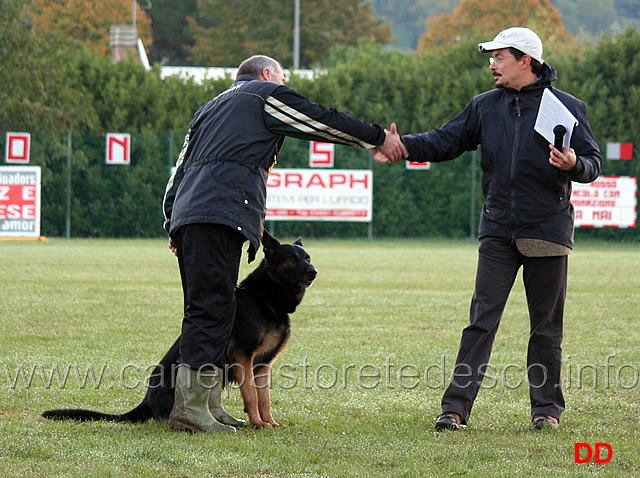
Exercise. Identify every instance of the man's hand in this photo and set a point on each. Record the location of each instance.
(564, 160)
(173, 248)
(392, 150)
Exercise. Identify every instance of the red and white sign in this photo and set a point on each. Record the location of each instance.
(20, 201)
(17, 148)
(417, 165)
(320, 195)
(609, 201)
(321, 155)
(118, 148)
(619, 150)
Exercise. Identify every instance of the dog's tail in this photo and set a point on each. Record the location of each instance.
(139, 414)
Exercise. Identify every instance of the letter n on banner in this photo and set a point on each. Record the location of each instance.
(118, 148)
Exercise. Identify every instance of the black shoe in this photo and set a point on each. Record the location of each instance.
(449, 421)
(545, 421)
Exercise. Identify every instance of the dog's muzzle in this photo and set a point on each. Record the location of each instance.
(310, 276)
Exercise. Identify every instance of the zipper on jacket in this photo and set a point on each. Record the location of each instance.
(516, 136)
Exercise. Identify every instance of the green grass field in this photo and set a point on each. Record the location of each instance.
(82, 322)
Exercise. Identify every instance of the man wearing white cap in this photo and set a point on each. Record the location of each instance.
(526, 220)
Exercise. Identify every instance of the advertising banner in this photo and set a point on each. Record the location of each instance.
(609, 201)
(20, 201)
(320, 195)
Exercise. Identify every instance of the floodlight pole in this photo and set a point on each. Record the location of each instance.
(296, 34)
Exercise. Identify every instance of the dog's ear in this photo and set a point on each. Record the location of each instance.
(268, 241)
(298, 241)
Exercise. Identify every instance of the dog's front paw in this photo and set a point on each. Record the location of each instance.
(259, 424)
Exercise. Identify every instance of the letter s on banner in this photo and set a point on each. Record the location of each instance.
(321, 155)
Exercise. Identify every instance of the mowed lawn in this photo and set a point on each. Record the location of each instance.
(82, 322)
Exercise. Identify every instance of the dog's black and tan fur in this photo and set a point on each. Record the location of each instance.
(261, 330)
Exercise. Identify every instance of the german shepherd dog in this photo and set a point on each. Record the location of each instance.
(261, 330)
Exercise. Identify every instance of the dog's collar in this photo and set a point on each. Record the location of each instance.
(259, 295)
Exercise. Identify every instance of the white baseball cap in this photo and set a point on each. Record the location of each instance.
(520, 38)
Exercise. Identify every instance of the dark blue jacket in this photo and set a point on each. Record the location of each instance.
(524, 195)
(234, 140)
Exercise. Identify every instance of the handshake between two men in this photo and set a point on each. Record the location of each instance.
(392, 150)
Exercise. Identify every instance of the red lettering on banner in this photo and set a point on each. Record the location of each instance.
(118, 148)
(331, 181)
(337, 180)
(124, 144)
(273, 181)
(602, 215)
(316, 180)
(611, 183)
(318, 212)
(321, 154)
(293, 180)
(585, 193)
(364, 181)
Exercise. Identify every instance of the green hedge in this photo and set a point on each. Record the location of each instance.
(417, 92)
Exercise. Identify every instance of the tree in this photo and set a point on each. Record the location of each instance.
(87, 21)
(228, 33)
(472, 18)
(171, 33)
(587, 19)
(408, 17)
(35, 93)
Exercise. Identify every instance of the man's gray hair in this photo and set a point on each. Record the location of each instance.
(254, 65)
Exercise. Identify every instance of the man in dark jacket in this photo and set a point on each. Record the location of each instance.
(216, 199)
(527, 219)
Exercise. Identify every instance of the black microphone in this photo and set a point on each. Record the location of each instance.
(559, 132)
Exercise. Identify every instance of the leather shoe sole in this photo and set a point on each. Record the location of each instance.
(545, 421)
(449, 421)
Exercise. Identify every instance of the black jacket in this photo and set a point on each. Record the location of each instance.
(524, 195)
(234, 140)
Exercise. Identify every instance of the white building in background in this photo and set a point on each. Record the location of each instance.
(123, 40)
(202, 73)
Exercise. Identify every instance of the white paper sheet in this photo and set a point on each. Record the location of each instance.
(552, 113)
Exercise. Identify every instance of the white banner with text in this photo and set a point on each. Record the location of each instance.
(320, 195)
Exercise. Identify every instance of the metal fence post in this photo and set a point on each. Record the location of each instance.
(68, 218)
(472, 214)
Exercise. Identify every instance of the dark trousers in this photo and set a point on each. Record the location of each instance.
(209, 258)
(545, 281)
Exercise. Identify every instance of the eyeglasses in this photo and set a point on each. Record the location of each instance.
(497, 60)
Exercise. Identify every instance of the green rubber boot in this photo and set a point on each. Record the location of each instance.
(215, 404)
(190, 409)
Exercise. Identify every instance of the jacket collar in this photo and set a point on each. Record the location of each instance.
(245, 78)
(547, 76)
